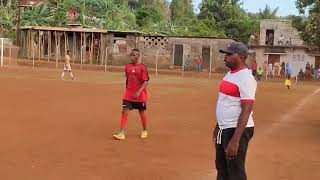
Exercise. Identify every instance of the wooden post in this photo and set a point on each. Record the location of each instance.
(33, 44)
(65, 42)
(106, 61)
(74, 47)
(81, 51)
(39, 44)
(59, 46)
(183, 60)
(157, 58)
(10, 53)
(28, 44)
(56, 48)
(43, 39)
(49, 45)
(101, 50)
(91, 52)
(85, 48)
(210, 66)
(2, 51)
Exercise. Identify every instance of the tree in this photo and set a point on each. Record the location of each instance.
(268, 13)
(7, 18)
(229, 18)
(309, 29)
(39, 15)
(181, 10)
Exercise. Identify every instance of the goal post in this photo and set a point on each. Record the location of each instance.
(1, 51)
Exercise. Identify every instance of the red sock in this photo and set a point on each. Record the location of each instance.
(143, 116)
(124, 120)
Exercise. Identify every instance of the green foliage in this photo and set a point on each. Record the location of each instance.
(268, 13)
(181, 10)
(309, 28)
(37, 16)
(229, 18)
(7, 18)
(148, 15)
(220, 18)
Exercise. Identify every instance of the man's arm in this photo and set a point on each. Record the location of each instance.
(144, 85)
(145, 78)
(137, 94)
(233, 146)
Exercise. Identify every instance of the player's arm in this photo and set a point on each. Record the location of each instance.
(126, 75)
(233, 146)
(144, 85)
(145, 78)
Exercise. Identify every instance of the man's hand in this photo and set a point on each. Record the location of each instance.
(137, 95)
(215, 133)
(232, 149)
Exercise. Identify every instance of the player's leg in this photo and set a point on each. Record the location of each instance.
(142, 107)
(127, 106)
(144, 121)
(236, 167)
(62, 75)
(71, 75)
(221, 160)
(289, 81)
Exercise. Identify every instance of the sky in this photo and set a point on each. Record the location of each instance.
(286, 7)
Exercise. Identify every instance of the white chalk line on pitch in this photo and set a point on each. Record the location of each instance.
(291, 113)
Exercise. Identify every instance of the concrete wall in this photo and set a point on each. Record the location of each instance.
(298, 59)
(194, 48)
(283, 27)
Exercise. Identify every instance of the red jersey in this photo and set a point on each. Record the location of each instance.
(136, 75)
(254, 66)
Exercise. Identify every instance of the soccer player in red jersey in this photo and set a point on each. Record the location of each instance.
(135, 96)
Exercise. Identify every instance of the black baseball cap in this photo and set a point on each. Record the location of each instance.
(236, 47)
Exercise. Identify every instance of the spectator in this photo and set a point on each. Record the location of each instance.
(316, 75)
(288, 76)
(300, 74)
(260, 74)
(308, 71)
(199, 63)
(282, 70)
(254, 68)
(281, 40)
(270, 70)
(277, 69)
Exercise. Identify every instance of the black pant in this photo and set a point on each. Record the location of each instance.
(232, 169)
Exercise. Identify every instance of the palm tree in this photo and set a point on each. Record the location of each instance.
(39, 15)
(268, 13)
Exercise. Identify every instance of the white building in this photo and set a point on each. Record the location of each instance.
(280, 42)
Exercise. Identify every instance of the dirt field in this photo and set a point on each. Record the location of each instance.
(62, 130)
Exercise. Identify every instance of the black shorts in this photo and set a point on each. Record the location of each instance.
(134, 105)
(254, 72)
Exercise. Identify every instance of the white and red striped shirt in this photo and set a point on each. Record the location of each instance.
(238, 86)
